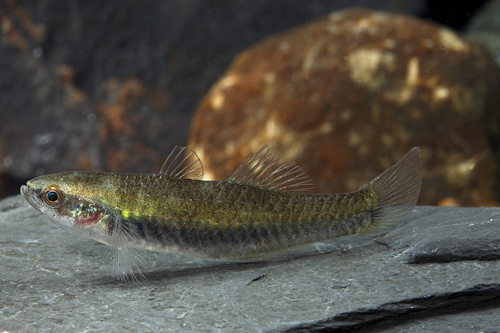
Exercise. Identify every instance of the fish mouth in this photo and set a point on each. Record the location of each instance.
(24, 190)
(25, 193)
(28, 197)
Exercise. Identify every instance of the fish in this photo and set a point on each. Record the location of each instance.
(264, 207)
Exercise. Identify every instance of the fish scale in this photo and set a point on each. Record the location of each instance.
(252, 213)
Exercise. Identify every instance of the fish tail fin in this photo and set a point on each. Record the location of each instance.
(396, 192)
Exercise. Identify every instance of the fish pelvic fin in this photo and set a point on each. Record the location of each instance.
(395, 192)
(125, 264)
(124, 261)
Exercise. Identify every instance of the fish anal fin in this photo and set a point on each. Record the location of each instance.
(263, 169)
(182, 163)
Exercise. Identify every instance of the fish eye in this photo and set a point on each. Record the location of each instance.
(53, 196)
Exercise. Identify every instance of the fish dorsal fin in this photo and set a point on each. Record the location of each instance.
(182, 163)
(263, 169)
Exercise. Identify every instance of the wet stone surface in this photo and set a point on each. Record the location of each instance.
(436, 272)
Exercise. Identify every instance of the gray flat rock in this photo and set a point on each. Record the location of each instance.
(439, 271)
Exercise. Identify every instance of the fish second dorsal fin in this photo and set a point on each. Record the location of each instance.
(263, 169)
(182, 163)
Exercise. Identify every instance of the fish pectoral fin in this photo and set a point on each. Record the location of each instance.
(263, 169)
(182, 163)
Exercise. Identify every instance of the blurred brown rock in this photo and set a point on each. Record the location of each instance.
(348, 95)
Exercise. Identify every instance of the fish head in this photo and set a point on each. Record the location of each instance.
(66, 199)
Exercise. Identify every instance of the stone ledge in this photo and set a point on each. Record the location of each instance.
(438, 271)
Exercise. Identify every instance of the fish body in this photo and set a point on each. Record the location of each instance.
(256, 211)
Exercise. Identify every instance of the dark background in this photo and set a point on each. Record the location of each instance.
(92, 85)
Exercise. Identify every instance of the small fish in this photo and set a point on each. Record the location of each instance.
(261, 208)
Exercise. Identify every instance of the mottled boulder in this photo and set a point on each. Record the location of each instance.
(348, 95)
(112, 85)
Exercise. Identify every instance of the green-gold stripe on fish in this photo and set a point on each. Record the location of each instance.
(263, 207)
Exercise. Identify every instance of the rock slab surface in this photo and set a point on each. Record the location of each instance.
(436, 272)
